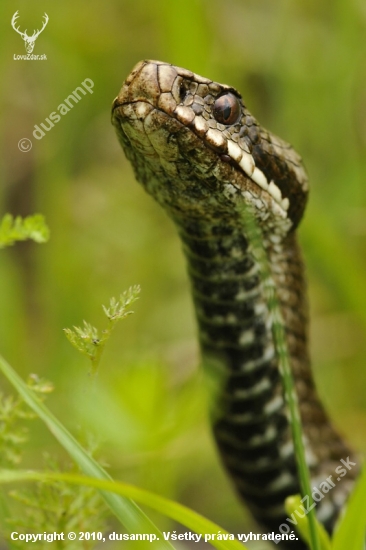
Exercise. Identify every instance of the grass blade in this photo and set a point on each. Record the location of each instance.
(253, 233)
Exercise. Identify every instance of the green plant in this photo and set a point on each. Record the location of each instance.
(17, 229)
(87, 339)
(57, 507)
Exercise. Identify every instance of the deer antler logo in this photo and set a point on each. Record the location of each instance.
(29, 41)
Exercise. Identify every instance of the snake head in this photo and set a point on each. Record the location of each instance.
(196, 148)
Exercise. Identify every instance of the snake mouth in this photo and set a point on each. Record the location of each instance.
(241, 161)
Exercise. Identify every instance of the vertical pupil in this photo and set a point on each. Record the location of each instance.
(226, 112)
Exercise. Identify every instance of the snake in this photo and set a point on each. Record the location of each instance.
(199, 152)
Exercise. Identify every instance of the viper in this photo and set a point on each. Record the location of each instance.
(198, 151)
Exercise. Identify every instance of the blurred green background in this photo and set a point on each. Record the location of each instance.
(301, 68)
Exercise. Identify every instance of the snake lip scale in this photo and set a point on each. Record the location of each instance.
(195, 147)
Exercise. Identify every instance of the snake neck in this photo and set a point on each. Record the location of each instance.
(250, 417)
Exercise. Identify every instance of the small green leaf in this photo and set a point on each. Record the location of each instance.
(87, 339)
(118, 308)
(21, 229)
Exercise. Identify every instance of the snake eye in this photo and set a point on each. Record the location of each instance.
(226, 109)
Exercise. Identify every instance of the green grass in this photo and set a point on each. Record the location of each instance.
(118, 496)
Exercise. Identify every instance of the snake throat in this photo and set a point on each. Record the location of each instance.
(199, 169)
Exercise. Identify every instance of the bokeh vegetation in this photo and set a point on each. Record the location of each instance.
(301, 68)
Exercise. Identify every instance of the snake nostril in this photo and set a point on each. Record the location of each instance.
(182, 91)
